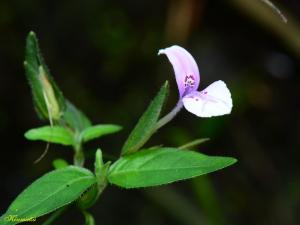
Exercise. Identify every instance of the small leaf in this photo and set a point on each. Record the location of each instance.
(98, 164)
(162, 166)
(147, 123)
(60, 164)
(55, 134)
(76, 119)
(34, 64)
(101, 169)
(98, 131)
(50, 192)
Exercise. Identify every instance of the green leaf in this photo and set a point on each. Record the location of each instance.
(50, 192)
(162, 166)
(55, 134)
(60, 164)
(98, 131)
(39, 78)
(76, 119)
(147, 123)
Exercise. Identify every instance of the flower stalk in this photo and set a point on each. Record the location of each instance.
(167, 118)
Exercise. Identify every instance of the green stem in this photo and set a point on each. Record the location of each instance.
(78, 156)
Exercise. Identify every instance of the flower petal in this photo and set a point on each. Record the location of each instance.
(185, 68)
(215, 100)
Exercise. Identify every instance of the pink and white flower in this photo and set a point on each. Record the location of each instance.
(215, 100)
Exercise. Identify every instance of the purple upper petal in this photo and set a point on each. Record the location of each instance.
(185, 68)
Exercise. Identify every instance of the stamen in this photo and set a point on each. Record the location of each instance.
(189, 81)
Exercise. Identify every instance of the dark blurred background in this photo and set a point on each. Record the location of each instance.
(103, 55)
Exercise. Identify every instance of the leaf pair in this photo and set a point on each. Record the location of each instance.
(64, 136)
(142, 169)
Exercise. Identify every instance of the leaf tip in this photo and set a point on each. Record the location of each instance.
(233, 160)
(166, 84)
(118, 127)
(32, 34)
(27, 134)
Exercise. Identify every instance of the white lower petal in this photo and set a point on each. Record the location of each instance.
(215, 100)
